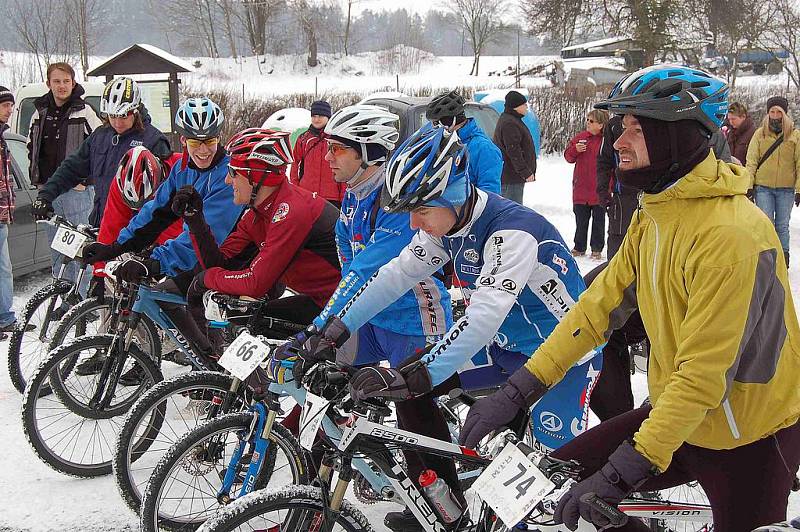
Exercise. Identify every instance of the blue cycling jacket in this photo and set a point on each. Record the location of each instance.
(484, 158)
(220, 212)
(520, 280)
(367, 237)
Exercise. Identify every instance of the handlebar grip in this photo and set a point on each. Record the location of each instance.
(335, 377)
(614, 516)
(459, 394)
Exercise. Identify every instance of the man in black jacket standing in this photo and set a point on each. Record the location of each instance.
(516, 143)
(60, 124)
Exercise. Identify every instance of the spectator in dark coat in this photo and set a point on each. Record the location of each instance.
(8, 320)
(741, 131)
(310, 170)
(516, 143)
(60, 124)
(582, 150)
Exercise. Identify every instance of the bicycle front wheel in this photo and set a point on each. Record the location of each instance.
(183, 489)
(160, 417)
(28, 348)
(75, 436)
(289, 509)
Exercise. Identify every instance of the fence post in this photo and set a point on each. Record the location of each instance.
(397, 76)
(316, 83)
(242, 93)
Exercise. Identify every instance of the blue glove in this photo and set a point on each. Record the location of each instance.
(624, 472)
(500, 408)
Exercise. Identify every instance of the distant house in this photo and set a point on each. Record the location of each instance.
(621, 47)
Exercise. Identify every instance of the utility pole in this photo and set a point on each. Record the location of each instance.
(518, 67)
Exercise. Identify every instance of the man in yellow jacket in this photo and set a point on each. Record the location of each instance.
(704, 267)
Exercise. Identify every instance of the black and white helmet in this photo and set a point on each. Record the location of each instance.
(365, 124)
(199, 118)
(120, 97)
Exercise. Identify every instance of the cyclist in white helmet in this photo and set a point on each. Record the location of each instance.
(359, 140)
(126, 125)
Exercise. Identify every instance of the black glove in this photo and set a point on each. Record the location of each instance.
(97, 252)
(97, 287)
(42, 209)
(196, 290)
(187, 203)
(797, 199)
(624, 472)
(500, 408)
(410, 379)
(319, 346)
(134, 270)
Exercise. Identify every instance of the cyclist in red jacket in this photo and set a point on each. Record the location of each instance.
(285, 237)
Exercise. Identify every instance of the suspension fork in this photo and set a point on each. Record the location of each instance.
(45, 326)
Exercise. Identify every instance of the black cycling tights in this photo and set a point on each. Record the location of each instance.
(747, 486)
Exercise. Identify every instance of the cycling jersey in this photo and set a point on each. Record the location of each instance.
(291, 234)
(519, 279)
(178, 255)
(367, 237)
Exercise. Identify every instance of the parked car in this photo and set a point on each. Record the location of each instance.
(27, 240)
(411, 111)
(23, 110)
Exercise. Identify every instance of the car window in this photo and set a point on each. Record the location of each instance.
(26, 110)
(485, 116)
(19, 154)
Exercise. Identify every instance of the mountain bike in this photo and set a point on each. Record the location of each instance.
(323, 508)
(74, 431)
(32, 340)
(175, 406)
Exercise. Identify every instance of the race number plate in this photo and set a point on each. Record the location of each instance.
(67, 242)
(244, 355)
(512, 485)
(311, 418)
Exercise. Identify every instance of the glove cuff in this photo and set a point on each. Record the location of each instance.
(417, 377)
(627, 468)
(524, 388)
(335, 331)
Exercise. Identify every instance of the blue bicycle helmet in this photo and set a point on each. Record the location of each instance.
(430, 168)
(670, 93)
(199, 118)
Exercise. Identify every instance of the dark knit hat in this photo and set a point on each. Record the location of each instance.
(6, 95)
(780, 101)
(515, 99)
(322, 108)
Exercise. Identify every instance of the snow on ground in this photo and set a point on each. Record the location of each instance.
(39, 499)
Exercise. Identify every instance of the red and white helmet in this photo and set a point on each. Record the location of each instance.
(138, 176)
(260, 154)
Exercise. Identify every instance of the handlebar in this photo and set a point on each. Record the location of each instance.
(458, 394)
(615, 517)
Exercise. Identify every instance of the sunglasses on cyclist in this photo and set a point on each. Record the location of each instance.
(196, 143)
(126, 115)
(336, 149)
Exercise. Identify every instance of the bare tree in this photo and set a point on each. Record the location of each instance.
(306, 17)
(782, 34)
(86, 20)
(482, 21)
(228, 8)
(43, 31)
(193, 20)
(348, 23)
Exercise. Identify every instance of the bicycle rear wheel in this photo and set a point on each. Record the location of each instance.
(290, 509)
(74, 437)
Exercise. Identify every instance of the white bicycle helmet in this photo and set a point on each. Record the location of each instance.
(120, 97)
(199, 118)
(365, 124)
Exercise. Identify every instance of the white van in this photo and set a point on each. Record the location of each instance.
(27, 94)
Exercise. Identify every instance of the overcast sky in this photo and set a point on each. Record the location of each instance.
(419, 6)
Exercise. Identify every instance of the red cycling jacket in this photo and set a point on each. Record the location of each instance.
(310, 169)
(290, 234)
(117, 214)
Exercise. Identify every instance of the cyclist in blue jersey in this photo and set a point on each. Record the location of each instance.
(520, 280)
(359, 140)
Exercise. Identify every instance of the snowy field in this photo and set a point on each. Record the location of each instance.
(39, 499)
